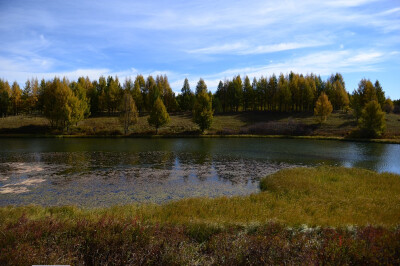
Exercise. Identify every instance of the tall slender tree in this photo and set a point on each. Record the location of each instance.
(380, 94)
(323, 108)
(138, 94)
(187, 97)
(128, 112)
(247, 94)
(158, 115)
(201, 86)
(5, 97)
(16, 100)
(202, 111)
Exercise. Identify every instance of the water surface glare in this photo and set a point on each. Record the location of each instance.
(104, 172)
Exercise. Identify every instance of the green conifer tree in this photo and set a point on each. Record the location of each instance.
(158, 115)
(372, 122)
(202, 111)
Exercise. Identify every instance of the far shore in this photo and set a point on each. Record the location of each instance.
(389, 141)
(339, 126)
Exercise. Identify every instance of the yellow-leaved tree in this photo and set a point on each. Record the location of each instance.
(323, 108)
(129, 113)
(158, 115)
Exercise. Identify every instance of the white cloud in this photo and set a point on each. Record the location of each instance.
(246, 49)
(22, 76)
(365, 57)
(218, 49)
(349, 3)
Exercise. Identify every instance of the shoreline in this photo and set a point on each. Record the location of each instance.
(387, 141)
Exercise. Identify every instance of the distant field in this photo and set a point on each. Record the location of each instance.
(253, 123)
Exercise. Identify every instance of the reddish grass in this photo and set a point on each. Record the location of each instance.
(133, 241)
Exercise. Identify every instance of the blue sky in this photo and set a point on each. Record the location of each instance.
(209, 39)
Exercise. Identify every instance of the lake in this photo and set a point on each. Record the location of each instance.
(104, 171)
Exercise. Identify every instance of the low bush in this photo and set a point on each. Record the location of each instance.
(134, 242)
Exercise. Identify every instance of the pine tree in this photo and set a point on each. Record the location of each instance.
(187, 97)
(221, 95)
(372, 122)
(80, 90)
(253, 100)
(323, 108)
(129, 113)
(25, 97)
(388, 106)
(111, 95)
(168, 95)
(247, 94)
(368, 91)
(152, 92)
(272, 89)
(357, 103)
(102, 88)
(137, 93)
(380, 94)
(34, 96)
(201, 86)
(5, 97)
(284, 94)
(158, 115)
(128, 85)
(16, 98)
(309, 93)
(202, 111)
(237, 92)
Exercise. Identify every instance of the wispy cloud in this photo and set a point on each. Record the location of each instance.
(349, 3)
(324, 63)
(246, 49)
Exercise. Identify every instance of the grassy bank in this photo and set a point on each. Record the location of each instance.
(323, 196)
(339, 125)
(303, 215)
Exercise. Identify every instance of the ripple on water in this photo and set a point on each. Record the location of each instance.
(106, 178)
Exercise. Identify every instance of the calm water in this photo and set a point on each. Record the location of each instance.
(102, 172)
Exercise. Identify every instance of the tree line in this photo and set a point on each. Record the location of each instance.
(66, 103)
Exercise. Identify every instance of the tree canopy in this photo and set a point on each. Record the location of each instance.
(61, 106)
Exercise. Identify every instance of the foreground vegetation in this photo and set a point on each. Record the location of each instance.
(303, 215)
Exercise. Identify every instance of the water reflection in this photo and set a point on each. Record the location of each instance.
(98, 172)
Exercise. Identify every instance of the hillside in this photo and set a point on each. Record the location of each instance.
(339, 124)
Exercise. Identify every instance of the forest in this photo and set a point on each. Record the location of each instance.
(65, 103)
